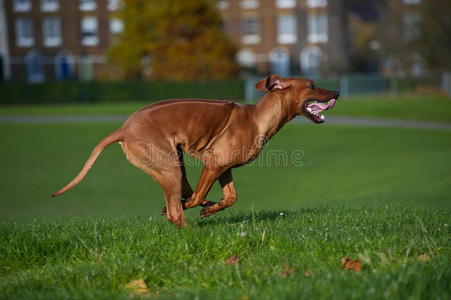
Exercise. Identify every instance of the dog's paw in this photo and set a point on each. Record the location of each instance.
(164, 210)
(204, 212)
(207, 209)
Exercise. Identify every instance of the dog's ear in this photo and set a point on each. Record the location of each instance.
(272, 83)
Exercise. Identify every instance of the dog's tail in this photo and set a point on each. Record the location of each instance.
(116, 136)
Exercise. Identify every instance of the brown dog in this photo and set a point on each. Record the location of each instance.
(222, 134)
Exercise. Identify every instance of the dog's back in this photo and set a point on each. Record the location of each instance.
(179, 119)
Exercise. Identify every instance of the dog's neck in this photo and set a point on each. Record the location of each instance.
(271, 113)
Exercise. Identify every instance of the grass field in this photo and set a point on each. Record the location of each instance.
(85, 258)
(380, 195)
(339, 165)
(428, 108)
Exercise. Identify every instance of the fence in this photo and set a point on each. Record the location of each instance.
(75, 91)
(358, 84)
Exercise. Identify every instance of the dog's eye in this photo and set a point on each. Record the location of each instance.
(312, 87)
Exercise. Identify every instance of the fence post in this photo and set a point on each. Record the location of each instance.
(249, 94)
(446, 83)
(448, 76)
(393, 87)
(344, 86)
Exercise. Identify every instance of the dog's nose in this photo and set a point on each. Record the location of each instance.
(337, 94)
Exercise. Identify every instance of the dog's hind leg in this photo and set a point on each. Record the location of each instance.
(170, 180)
(171, 183)
(158, 163)
(229, 199)
(187, 191)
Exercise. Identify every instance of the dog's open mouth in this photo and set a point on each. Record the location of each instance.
(313, 108)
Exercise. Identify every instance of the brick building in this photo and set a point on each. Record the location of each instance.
(56, 39)
(4, 46)
(288, 36)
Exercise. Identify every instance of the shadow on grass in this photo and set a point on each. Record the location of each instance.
(239, 217)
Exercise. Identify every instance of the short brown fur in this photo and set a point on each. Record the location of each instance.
(222, 134)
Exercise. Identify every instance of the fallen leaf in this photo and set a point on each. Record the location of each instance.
(351, 265)
(308, 273)
(424, 257)
(138, 288)
(287, 271)
(232, 260)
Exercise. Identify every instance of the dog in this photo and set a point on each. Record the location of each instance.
(214, 131)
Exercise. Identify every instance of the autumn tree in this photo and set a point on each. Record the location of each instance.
(176, 39)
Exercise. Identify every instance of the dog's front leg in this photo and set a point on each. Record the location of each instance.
(228, 189)
(207, 178)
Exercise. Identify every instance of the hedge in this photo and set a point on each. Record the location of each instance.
(75, 91)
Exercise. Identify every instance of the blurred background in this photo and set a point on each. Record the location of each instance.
(72, 70)
(357, 46)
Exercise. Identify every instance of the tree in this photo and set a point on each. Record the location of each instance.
(179, 39)
(338, 59)
(434, 43)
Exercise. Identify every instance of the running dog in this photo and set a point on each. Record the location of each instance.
(222, 134)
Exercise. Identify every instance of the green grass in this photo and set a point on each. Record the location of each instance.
(361, 192)
(428, 108)
(338, 165)
(84, 258)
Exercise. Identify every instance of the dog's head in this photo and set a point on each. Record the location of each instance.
(303, 96)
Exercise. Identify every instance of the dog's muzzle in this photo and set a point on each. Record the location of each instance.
(313, 108)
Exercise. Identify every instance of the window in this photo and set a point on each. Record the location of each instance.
(34, 64)
(64, 65)
(246, 58)
(22, 5)
(49, 5)
(222, 4)
(311, 60)
(250, 30)
(411, 21)
(87, 5)
(51, 30)
(408, 2)
(24, 32)
(85, 68)
(89, 31)
(116, 26)
(316, 3)
(417, 67)
(286, 3)
(250, 4)
(114, 4)
(317, 29)
(280, 62)
(286, 29)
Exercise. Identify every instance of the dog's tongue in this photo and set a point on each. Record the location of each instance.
(318, 106)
